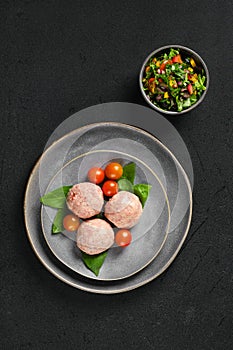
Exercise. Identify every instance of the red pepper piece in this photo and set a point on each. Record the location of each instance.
(163, 65)
(190, 89)
(177, 59)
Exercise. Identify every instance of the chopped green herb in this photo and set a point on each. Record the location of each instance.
(173, 53)
(187, 103)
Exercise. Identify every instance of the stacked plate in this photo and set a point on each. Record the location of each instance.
(157, 237)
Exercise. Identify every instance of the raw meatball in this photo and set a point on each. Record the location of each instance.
(85, 200)
(123, 210)
(95, 236)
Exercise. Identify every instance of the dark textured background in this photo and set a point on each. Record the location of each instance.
(58, 57)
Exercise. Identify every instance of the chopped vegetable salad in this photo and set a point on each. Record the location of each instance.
(173, 81)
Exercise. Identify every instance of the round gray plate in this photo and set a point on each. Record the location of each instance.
(149, 234)
(180, 198)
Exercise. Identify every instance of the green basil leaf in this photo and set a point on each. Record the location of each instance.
(142, 191)
(56, 198)
(100, 216)
(94, 262)
(125, 185)
(57, 226)
(129, 172)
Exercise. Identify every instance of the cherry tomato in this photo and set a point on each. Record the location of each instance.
(123, 238)
(71, 222)
(113, 171)
(110, 188)
(96, 175)
(177, 59)
(151, 85)
(163, 65)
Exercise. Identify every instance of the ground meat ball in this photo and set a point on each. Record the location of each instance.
(95, 236)
(123, 210)
(85, 200)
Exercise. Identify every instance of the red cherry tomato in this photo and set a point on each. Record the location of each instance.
(177, 59)
(71, 222)
(96, 175)
(164, 63)
(123, 238)
(113, 171)
(110, 188)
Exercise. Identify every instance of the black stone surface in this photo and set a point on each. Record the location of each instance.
(58, 57)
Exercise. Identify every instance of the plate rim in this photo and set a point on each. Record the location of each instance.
(137, 285)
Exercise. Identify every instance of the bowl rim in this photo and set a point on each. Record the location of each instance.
(193, 53)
